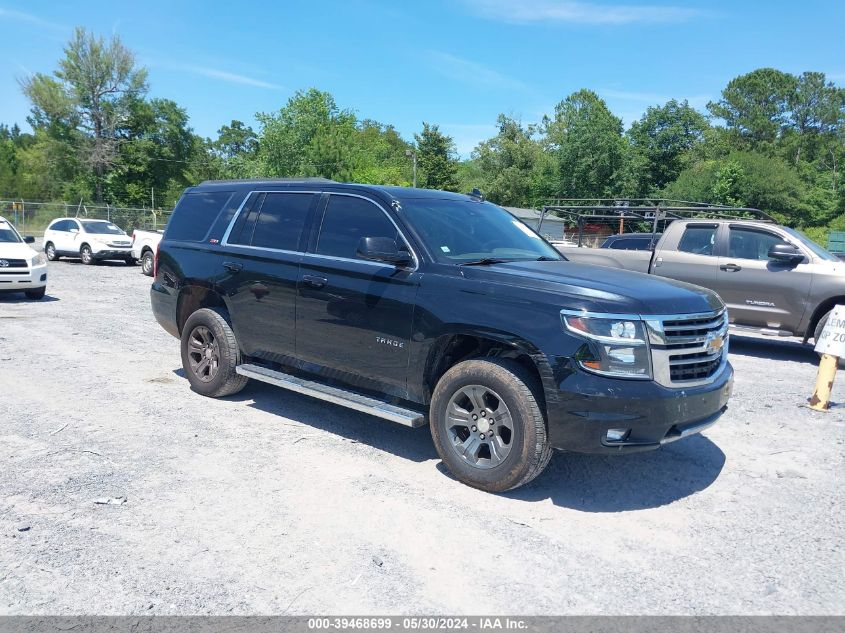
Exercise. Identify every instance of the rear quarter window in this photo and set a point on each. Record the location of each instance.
(195, 214)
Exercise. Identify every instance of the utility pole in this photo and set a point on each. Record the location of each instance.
(153, 197)
(412, 153)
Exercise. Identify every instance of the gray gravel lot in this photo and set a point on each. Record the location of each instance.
(270, 502)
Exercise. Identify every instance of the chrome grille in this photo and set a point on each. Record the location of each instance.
(688, 350)
(14, 263)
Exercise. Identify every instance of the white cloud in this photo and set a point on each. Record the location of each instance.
(528, 11)
(28, 18)
(470, 72)
(223, 75)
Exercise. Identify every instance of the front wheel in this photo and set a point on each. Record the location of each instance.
(50, 250)
(86, 255)
(147, 264)
(210, 354)
(487, 424)
(131, 261)
(36, 294)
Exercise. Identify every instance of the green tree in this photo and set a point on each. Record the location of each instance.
(236, 139)
(510, 164)
(91, 93)
(755, 106)
(665, 138)
(436, 159)
(586, 140)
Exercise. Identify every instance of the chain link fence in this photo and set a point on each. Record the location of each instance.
(31, 218)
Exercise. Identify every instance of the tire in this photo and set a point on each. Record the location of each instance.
(50, 250)
(207, 336)
(36, 294)
(522, 450)
(86, 255)
(818, 332)
(147, 263)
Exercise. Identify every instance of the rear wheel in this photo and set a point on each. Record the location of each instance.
(50, 250)
(38, 293)
(487, 424)
(86, 255)
(147, 263)
(210, 354)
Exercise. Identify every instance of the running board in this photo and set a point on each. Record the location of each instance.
(348, 399)
(765, 331)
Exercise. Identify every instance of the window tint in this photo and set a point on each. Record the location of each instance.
(194, 215)
(699, 240)
(281, 220)
(346, 221)
(61, 225)
(245, 224)
(750, 244)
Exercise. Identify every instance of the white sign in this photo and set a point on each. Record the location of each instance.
(832, 339)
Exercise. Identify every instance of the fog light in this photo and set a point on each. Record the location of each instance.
(617, 435)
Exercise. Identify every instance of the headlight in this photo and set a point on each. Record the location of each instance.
(615, 345)
(38, 260)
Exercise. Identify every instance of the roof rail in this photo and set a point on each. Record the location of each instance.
(238, 181)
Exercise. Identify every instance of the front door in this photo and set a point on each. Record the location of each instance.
(354, 317)
(260, 268)
(758, 291)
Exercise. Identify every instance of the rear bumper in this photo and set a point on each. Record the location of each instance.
(163, 302)
(647, 414)
(27, 279)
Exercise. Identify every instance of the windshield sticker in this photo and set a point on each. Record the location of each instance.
(445, 249)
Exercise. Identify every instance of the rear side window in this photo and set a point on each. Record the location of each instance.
(193, 216)
(281, 220)
(346, 221)
(700, 240)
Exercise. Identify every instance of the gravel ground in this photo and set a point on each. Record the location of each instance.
(270, 502)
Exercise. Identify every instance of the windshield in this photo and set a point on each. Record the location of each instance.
(101, 228)
(818, 250)
(8, 233)
(462, 231)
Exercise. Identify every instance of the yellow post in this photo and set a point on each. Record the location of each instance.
(824, 383)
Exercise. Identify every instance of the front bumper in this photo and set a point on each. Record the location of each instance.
(586, 407)
(113, 253)
(18, 280)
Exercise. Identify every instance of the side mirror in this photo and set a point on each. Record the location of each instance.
(73, 231)
(29, 240)
(785, 253)
(382, 249)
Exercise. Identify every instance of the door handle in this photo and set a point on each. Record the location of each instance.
(315, 281)
(731, 268)
(233, 267)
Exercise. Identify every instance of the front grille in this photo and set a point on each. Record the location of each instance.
(689, 349)
(13, 263)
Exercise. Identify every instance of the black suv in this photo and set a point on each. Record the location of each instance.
(424, 306)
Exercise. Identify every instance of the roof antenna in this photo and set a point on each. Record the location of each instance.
(476, 193)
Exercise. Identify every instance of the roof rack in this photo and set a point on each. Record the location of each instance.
(238, 181)
(581, 211)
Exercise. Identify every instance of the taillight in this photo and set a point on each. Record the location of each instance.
(155, 261)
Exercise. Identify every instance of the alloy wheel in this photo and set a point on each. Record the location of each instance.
(203, 353)
(479, 426)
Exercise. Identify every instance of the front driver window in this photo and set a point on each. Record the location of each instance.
(750, 244)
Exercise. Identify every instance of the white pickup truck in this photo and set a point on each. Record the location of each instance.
(144, 245)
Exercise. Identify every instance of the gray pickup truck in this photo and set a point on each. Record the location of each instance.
(773, 279)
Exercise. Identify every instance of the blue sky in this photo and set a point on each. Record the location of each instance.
(456, 63)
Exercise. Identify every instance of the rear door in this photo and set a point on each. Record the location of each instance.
(760, 292)
(354, 317)
(261, 269)
(689, 255)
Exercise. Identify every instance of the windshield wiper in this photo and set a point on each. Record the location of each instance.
(544, 258)
(486, 261)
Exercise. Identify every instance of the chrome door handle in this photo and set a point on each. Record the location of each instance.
(731, 268)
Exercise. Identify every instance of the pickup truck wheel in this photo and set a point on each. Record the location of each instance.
(50, 249)
(36, 294)
(210, 354)
(818, 332)
(86, 255)
(147, 263)
(487, 424)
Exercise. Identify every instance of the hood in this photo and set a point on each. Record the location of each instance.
(600, 289)
(16, 250)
